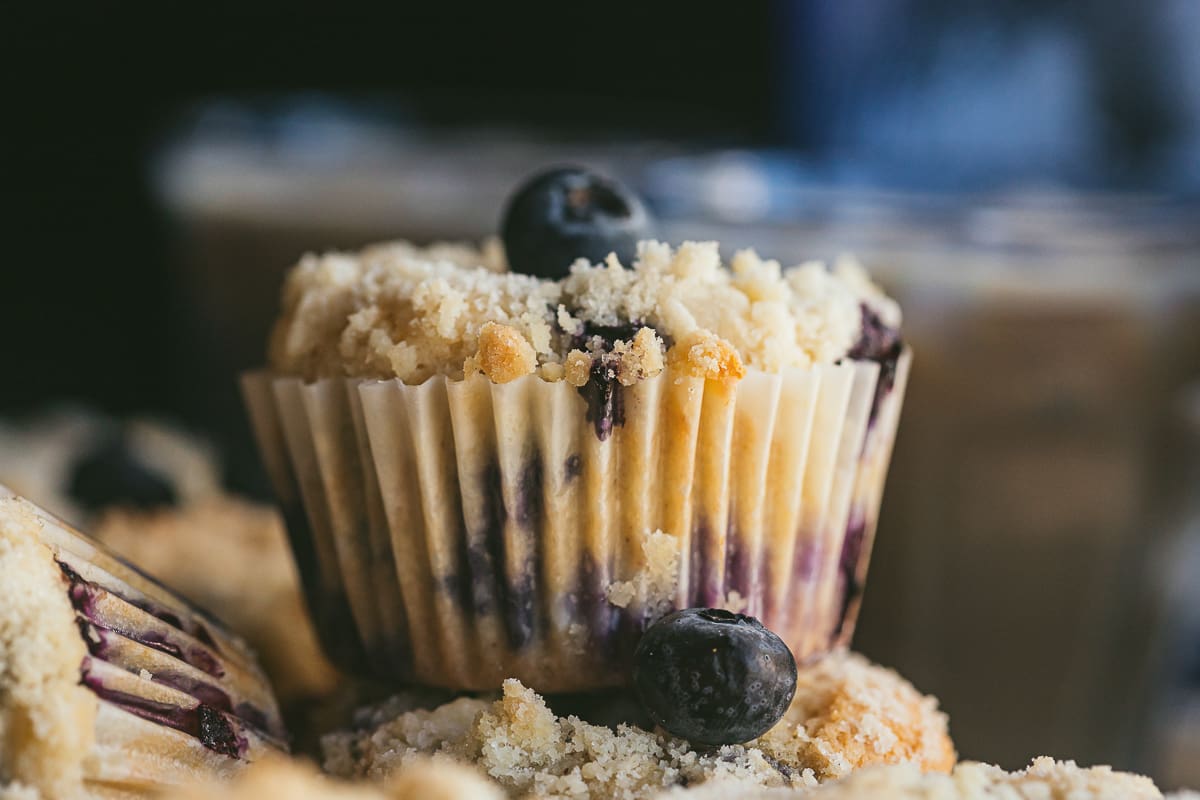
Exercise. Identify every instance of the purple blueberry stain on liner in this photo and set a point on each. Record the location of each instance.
(572, 468)
(603, 617)
(96, 640)
(881, 343)
(852, 550)
(807, 560)
(739, 567)
(705, 588)
(204, 692)
(467, 582)
(605, 399)
(206, 724)
(603, 393)
(83, 596)
(485, 554)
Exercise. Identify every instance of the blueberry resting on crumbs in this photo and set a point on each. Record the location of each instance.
(111, 475)
(564, 214)
(714, 677)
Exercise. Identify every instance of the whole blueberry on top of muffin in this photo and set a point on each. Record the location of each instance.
(564, 214)
(577, 291)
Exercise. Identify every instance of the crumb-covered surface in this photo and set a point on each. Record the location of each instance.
(395, 310)
(531, 752)
(47, 718)
(231, 557)
(441, 779)
(849, 713)
(1045, 779)
(295, 780)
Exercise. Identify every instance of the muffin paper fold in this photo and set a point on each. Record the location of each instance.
(459, 532)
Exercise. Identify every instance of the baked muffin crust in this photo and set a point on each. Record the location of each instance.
(399, 311)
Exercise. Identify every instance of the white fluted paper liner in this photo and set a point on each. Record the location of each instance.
(465, 532)
(176, 695)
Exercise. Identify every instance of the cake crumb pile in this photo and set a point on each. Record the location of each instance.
(849, 713)
(517, 741)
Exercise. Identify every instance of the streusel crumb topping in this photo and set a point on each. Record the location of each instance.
(399, 311)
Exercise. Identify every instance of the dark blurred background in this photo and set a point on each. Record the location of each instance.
(1024, 176)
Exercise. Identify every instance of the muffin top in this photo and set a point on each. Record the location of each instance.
(400, 311)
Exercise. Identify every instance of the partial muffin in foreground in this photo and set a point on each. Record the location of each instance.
(110, 684)
(231, 557)
(530, 751)
(76, 462)
(477, 462)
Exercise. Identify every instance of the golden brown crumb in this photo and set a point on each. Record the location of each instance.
(504, 354)
(578, 368)
(849, 713)
(639, 358)
(703, 354)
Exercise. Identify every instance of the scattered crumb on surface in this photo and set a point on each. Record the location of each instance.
(849, 713)
(531, 752)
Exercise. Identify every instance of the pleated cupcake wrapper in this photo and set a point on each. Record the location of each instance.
(457, 533)
(177, 695)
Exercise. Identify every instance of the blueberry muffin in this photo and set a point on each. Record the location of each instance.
(847, 714)
(110, 685)
(506, 461)
(77, 462)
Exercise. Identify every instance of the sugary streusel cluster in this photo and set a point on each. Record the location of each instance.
(848, 713)
(396, 310)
